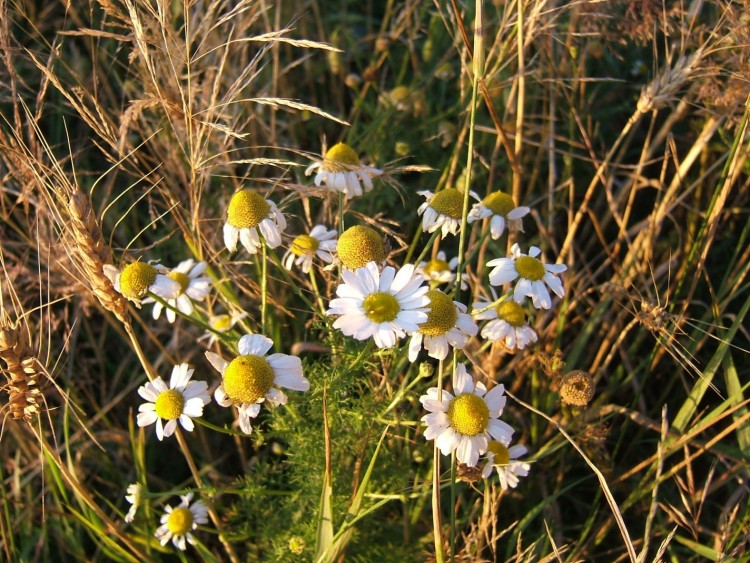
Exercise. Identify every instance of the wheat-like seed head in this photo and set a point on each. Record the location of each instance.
(94, 253)
(665, 85)
(24, 379)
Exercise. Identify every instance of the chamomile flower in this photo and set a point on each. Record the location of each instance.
(250, 215)
(505, 460)
(382, 305)
(177, 523)
(193, 287)
(183, 400)
(221, 323)
(340, 170)
(359, 245)
(135, 281)
(439, 269)
(447, 325)
(134, 497)
(507, 323)
(442, 210)
(465, 422)
(320, 242)
(253, 378)
(533, 274)
(501, 207)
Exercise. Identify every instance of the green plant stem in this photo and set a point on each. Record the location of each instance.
(190, 318)
(314, 282)
(453, 507)
(263, 286)
(437, 525)
(425, 250)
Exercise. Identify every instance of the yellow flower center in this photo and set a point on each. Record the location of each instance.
(169, 404)
(502, 455)
(247, 209)
(448, 202)
(304, 245)
(468, 414)
(359, 245)
(136, 278)
(247, 379)
(180, 522)
(499, 203)
(339, 154)
(442, 315)
(512, 313)
(530, 268)
(221, 322)
(381, 307)
(436, 266)
(399, 94)
(182, 279)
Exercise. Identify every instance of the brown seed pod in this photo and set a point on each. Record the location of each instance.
(577, 388)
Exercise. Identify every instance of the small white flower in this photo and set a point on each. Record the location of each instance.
(533, 274)
(447, 325)
(182, 400)
(249, 216)
(505, 461)
(136, 280)
(253, 378)
(442, 210)
(382, 305)
(193, 287)
(439, 270)
(221, 323)
(340, 170)
(134, 497)
(177, 523)
(464, 423)
(507, 322)
(501, 207)
(320, 242)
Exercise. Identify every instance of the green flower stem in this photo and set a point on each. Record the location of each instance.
(316, 290)
(437, 525)
(453, 506)
(426, 248)
(263, 286)
(297, 291)
(413, 245)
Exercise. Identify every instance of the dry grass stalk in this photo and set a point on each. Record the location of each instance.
(24, 379)
(94, 254)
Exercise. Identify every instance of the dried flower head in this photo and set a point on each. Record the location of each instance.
(577, 388)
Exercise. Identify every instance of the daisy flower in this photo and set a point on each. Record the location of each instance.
(359, 245)
(442, 210)
(253, 378)
(464, 423)
(193, 286)
(438, 270)
(135, 281)
(507, 322)
(222, 323)
(319, 242)
(447, 325)
(505, 461)
(501, 207)
(182, 400)
(134, 497)
(533, 274)
(384, 306)
(341, 171)
(250, 215)
(177, 523)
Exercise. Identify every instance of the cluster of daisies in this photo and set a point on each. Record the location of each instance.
(373, 301)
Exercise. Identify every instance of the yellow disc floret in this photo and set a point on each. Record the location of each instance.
(502, 455)
(339, 154)
(381, 307)
(449, 201)
(499, 203)
(359, 245)
(221, 322)
(512, 313)
(182, 279)
(304, 245)
(136, 278)
(169, 404)
(180, 521)
(530, 268)
(468, 414)
(247, 209)
(247, 379)
(442, 315)
(437, 266)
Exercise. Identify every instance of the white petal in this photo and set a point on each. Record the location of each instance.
(255, 344)
(231, 236)
(219, 363)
